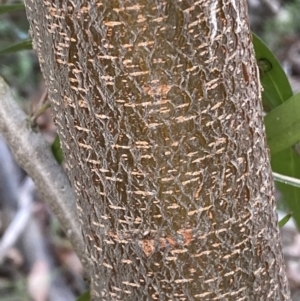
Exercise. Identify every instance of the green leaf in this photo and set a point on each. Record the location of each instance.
(85, 296)
(56, 150)
(287, 163)
(23, 45)
(283, 125)
(276, 86)
(276, 91)
(284, 220)
(7, 8)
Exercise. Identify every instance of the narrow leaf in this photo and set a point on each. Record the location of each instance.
(56, 150)
(85, 296)
(284, 220)
(287, 163)
(7, 8)
(283, 125)
(276, 86)
(277, 90)
(24, 45)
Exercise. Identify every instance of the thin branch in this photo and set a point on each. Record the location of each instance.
(33, 154)
(39, 112)
(286, 179)
(20, 220)
(42, 106)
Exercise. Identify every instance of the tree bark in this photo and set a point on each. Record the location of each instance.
(157, 105)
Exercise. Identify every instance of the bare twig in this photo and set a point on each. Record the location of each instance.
(38, 113)
(272, 5)
(20, 220)
(33, 154)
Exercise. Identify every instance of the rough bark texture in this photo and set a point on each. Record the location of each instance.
(158, 109)
(49, 177)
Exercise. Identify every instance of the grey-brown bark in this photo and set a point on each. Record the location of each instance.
(33, 154)
(157, 106)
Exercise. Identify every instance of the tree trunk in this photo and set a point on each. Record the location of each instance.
(157, 104)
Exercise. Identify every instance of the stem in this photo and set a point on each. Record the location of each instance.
(33, 154)
(286, 180)
(35, 115)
